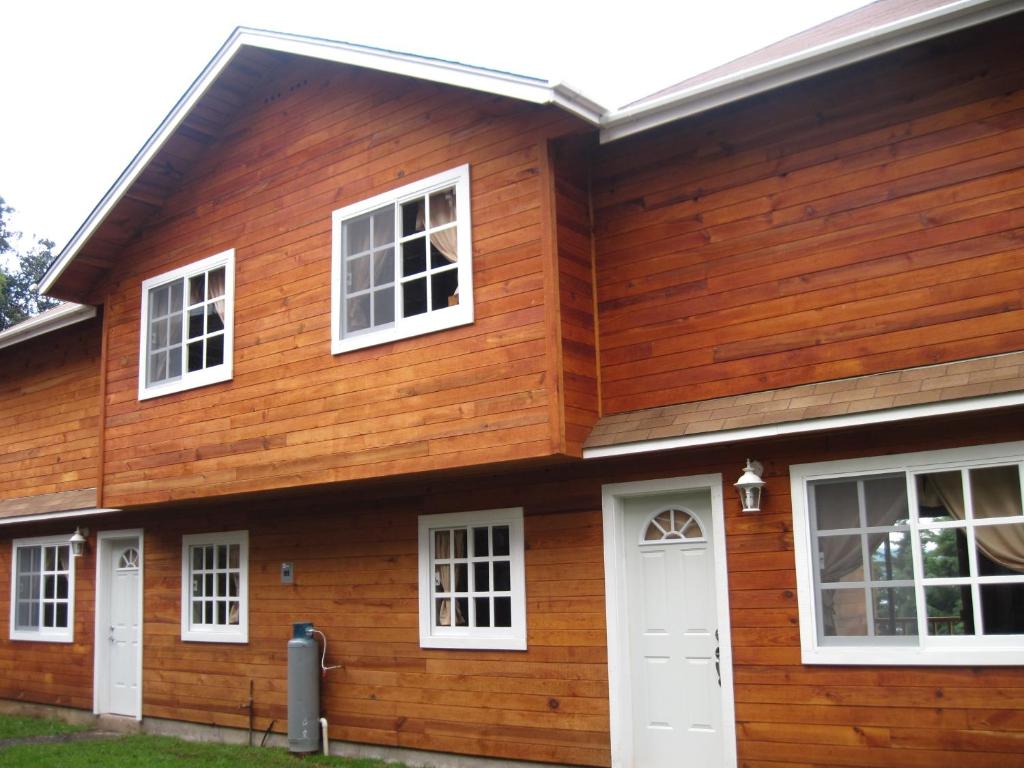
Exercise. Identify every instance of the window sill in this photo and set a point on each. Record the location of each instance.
(215, 376)
(475, 643)
(42, 637)
(194, 636)
(453, 317)
(1007, 653)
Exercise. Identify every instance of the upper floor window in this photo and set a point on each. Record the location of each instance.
(187, 327)
(472, 580)
(42, 590)
(914, 559)
(401, 263)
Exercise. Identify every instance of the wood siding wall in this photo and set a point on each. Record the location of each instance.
(865, 221)
(570, 163)
(319, 137)
(49, 412)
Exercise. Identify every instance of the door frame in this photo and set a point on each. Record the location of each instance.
(101, 655)
(620, 684)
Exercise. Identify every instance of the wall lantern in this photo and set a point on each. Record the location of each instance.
(750, 486)
(77, 542)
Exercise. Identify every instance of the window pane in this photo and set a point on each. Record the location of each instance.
(234, 612)
(222, 555)
(891, 556)
(442, 578)
(503, 611)
(836, 505)
(208, 557)
(502, 576)
(208, 585)
(222, 585)
(950, 610)
(840, 559)
(482, 605)
(62, 616)
(358, 312)
(215, 350)
(173, 356)
(48, 617)
(995, 492)
(885, 500)
(222, 612)
(174, 330)
(197, 558)
(1002, 609)
(441, 539)
(895, 611)
(940, 496)
(459, 542)
(215, 284)
(442, 207)
(197, 586)
(844, 613)
(62, 587)
(197, 289)
(24, 618)
(442, 288)
(481, 577)
(214, 321)
(49, 587)
(356, 235)
(49, 558)
(414, 257)
(414, 298)
(480, 548)
(944, 553)
(412, 217)
(195, 356)
(384, 267)
(233, 584)
(383, 226)
(158, 332)
(357, 277)
(1000, 549)
(158, 366)
(177, 294)
(499, 534)
(196, 327)
(158, 301)
(384, 306)
(197, 612)
(442, 613)
(461, 611)
(461, 577)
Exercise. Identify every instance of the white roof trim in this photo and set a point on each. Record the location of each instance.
(944, 20)
(60, 316)
(967, 405)
(30, 518)
(500, 83)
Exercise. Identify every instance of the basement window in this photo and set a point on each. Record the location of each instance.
(215, 587)
(187, 327)
(42, 590)
(913, 559)
(472, 581)
(402, 263)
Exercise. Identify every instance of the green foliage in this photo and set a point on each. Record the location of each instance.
(19, 297)
(13, 727)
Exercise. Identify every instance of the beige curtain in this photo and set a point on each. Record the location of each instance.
(998, 496)
(216, 288)
(442, 210)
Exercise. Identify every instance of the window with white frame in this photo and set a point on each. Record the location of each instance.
(472, 580)
(42, 590)
(215, 587)
(402, 263)
(186, 337)
(912, 559)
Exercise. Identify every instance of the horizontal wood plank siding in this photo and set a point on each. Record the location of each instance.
(317, 138)
(570, 160)
(49, 412)
(866, 221)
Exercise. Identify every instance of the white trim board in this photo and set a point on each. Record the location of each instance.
(98, 668)
(967, 405)
(619, 689)
(54, 319)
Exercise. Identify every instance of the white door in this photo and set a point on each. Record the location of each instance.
(122, 668)
(672, 631)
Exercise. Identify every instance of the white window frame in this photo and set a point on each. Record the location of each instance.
(929, 649)
(488, 638)
(43, 634)
(201, 378)
(214, 633)
(430, 321)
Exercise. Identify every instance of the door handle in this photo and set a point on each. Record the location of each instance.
(718, 666)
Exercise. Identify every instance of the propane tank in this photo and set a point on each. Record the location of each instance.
(303, 690)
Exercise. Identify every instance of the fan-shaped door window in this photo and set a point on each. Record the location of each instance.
(129, 560)
(673, 525)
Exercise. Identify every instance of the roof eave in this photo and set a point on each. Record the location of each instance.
(59, 317)
(808, 63)
(519, 87)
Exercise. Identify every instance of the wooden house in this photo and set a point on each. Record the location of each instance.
(463, 368)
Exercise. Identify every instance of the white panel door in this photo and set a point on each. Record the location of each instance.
(123, 636)
(672, 631)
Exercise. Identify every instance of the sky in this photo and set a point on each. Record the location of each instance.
(84, 84)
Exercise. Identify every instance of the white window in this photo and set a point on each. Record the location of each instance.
(186, 337)
(401, 263)
(42, 590)
(472, 582)
(912, 559)
(215, 587)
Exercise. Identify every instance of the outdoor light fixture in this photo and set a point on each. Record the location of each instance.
(750, 486)
(77, 542)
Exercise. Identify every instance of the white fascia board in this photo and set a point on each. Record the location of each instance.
(56, 515)
(521, 87)
(967, 405)
(60, 316)
(804, 64)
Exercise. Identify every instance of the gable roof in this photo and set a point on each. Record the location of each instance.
(869, 31)
(245, 59)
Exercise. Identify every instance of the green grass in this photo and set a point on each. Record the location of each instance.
(164, 752)
(13, 727)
